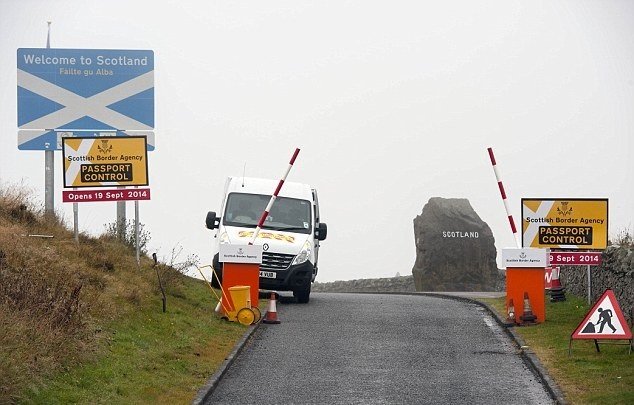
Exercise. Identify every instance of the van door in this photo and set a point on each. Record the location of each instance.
(316, 215)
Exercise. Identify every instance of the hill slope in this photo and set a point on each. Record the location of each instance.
(82, 322)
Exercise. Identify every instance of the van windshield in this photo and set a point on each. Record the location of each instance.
(287, 214)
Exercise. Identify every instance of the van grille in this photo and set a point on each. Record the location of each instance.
(276, 261)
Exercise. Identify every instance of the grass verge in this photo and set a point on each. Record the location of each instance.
(150, 356)
(83, 323)
(586, 377)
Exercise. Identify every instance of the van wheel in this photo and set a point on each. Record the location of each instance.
(214, 280)
(302, 296)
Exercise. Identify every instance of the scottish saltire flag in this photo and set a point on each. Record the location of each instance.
(82, 89)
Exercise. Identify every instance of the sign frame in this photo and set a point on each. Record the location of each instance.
(525, 257)
(578, 333)
(541, 218)
(33, 139)
(576, 258)
(230, 253)
(116, 139)
(100, 195)
(82, 89)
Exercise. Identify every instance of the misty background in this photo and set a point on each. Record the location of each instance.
(391, 103)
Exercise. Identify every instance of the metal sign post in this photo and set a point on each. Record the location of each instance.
(136, 232)
(589, 286)
(121, 218)
(76, 220)
(49, 162)
(49, 183)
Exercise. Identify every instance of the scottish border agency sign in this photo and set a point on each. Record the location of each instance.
(82, 89)
(565, 223)
(105, 161)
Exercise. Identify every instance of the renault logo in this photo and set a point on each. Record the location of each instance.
(265, 247)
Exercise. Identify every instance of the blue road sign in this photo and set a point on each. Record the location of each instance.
(33, 139)
(83, 89)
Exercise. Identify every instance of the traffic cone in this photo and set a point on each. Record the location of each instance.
(271, 314)
(510, 319)
(557, 291)
(527, 317)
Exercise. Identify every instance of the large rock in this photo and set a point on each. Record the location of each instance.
(455, 249)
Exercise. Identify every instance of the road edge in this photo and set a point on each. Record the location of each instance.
(206, 390)
(528, 356)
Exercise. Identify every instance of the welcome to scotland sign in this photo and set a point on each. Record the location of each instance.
(82, 89)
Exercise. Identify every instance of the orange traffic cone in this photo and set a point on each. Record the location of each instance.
(271, 314)
(557, 291)
(510, 319)
(527, 317)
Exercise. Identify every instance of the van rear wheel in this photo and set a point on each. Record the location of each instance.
(303, 295)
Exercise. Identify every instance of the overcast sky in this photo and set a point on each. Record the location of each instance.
(391, 103)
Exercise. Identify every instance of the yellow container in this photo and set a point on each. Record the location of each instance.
(240, 297)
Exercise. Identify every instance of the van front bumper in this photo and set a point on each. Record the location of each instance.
(296, 277)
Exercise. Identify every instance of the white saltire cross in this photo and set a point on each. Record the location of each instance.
(76, 106)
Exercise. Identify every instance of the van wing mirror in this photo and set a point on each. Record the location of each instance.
(212, 221)
(321, 231)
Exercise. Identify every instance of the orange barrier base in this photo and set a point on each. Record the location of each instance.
(526, 279)
(241, 274)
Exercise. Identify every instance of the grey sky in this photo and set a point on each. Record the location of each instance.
(391, 102)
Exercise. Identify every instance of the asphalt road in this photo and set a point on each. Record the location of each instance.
(379, 349)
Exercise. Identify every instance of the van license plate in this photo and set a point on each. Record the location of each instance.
(267, 274)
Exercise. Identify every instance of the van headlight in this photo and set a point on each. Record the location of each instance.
(224, 238)
(304, 254)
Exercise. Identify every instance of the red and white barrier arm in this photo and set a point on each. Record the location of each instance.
(503, 194)
(273, 197)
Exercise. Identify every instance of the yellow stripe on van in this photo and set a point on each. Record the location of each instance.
(267, 235)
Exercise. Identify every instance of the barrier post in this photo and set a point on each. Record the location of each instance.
(525, 274)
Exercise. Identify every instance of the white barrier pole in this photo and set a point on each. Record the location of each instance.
(503, 193)
(273, 197)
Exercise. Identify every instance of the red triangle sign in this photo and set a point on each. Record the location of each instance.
(604, 321)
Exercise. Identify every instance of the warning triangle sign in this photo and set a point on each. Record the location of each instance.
(604, 321)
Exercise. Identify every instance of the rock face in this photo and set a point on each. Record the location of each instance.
(455, 249)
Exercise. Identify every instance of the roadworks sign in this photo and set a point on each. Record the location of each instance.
(565, 224)
(604, 321)
(105, 161)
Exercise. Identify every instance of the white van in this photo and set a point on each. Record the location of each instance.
(289, 237)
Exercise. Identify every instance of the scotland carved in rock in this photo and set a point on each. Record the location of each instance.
(455, 249)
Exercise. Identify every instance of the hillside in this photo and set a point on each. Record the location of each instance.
(82, 322)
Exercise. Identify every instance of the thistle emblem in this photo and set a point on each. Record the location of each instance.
(564, 209)
(104, 147)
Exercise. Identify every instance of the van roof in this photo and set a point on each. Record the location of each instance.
(254, 185)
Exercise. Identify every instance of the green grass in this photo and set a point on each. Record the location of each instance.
(150, 356)
(586, 377)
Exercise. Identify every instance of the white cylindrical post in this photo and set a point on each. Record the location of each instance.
(136, 232)
(49, 162)
(589, 286)
(273, 197)
(76, 220)
(503, 194)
